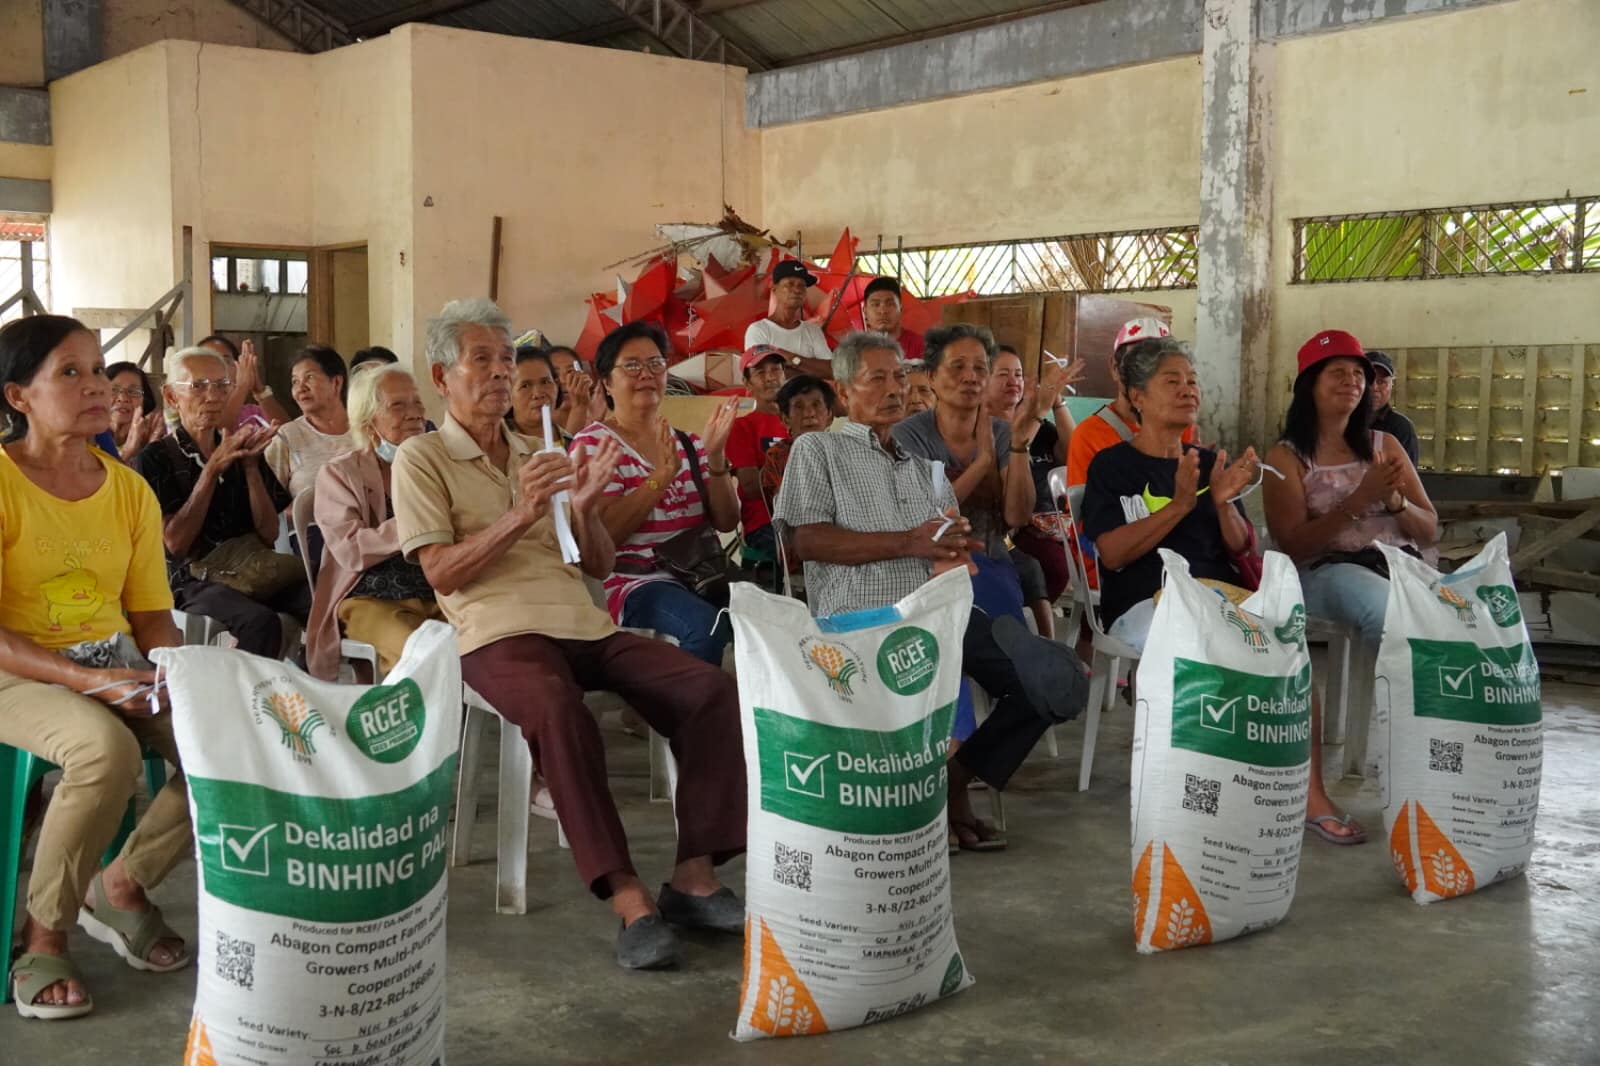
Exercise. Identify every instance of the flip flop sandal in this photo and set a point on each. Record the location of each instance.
(131, 934)
(32, 973)
(1317, 826)
(978, 835)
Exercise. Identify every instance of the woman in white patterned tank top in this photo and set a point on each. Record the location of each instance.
(1346, 489)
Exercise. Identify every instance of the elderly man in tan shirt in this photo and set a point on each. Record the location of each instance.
(473, 502)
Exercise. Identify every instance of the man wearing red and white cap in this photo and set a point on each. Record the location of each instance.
(762, 367)
(804, 347)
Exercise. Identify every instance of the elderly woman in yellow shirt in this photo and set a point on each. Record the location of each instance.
(83, 600)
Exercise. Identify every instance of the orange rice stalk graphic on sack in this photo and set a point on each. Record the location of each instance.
(835, 666)
(1252, 634)
(297, 721)
(1453, 599)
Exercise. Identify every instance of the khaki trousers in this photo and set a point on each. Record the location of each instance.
(385, 624)
(100, 755)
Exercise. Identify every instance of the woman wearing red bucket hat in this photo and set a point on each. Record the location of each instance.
(1346, 489)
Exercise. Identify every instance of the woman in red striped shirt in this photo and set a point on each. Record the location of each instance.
(653, 496)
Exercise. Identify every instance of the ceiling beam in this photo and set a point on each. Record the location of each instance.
(933, 31)
(684, 33)
(598, 32)
(420, 11)
(712, 7)
(309, 28)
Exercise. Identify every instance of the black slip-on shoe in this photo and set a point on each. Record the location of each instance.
(722, 910)
(647, 944)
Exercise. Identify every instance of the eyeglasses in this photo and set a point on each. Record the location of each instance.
(134, 392)
(222, 385)
(635, 369)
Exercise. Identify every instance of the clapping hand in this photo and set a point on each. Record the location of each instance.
(1381, 483)
(1186, 484)
(1228, 480)
(592, 473)
(145, 428)
(718, 426)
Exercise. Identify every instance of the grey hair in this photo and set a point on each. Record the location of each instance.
(363, 403)
(1137, 362)
(177, 364)
(937, 339)
(847, 356)
(443, 343)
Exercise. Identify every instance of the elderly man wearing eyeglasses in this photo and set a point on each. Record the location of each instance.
(219, 505)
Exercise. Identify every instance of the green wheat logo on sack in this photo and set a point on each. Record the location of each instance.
(1294, 630)
(1465, 614)
(840, 666)
(1254, 636)
(297, 720)
(1501, 600)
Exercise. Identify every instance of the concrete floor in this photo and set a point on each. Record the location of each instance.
(1358, 974)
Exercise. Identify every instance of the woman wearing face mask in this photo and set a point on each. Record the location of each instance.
(534, 388)
(364, 583)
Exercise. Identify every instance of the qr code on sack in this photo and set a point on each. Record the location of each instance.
(1200, 794)
(1445, 755)
(791, 866)
(236, 961)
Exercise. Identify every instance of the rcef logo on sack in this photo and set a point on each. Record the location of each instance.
(1501, 600)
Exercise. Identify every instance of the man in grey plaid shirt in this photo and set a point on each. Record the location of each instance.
(864, 516)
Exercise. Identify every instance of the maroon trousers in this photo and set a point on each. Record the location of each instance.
(538, 683)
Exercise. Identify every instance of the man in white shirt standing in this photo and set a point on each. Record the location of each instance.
(804, 347)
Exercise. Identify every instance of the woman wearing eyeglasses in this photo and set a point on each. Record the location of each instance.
(136, 415)
(656, 494)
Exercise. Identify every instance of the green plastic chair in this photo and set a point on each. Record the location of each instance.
(19, 771)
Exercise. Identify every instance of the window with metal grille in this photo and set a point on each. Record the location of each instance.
(1532, 237)
(1124, 261)
(24, 266)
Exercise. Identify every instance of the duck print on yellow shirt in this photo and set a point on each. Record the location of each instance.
(72, 598)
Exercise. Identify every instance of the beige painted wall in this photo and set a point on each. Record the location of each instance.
(581, 150)
(1116, 150)
(241, 146)
(132, 24)
(362, 179)
(21, 43)
(111, 236)
(25, 161)
(128, 26)
(350, 324)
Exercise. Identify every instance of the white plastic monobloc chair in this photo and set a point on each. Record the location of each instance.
(1112, 657)
(303, 517)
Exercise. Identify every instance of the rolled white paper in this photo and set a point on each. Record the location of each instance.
(559, 502)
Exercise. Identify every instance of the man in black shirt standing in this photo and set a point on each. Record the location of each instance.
(1384, 416)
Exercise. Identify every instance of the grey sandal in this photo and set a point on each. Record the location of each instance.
(131, 934)
(32, 973)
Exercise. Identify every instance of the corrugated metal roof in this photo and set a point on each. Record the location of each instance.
(773, 32)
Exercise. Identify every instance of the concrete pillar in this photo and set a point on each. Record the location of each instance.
(1235, 283)
(72, 36)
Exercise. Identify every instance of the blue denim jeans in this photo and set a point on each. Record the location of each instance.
(1347, 593)
(672, 610)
